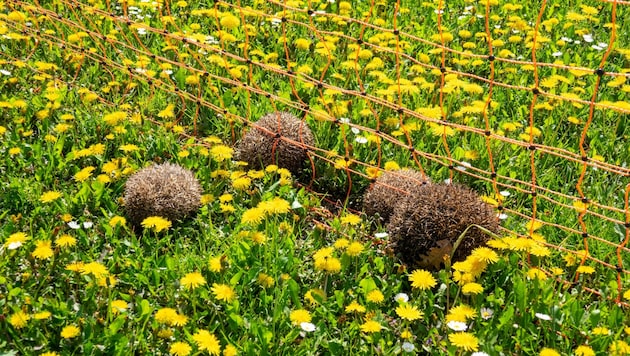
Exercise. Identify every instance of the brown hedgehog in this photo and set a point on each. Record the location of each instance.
(390, 189)
(431, 220)
(264, 144)
(167, 190)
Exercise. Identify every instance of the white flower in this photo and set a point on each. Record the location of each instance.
(457, 325)
(88, 224)
(479, 353)
(308, 327)
(588, 37)
(503, 216)
(344, 120)
(486, 313)
(142, 31)
(504, 193)
(14, 245)
(408, 347)
(360, 139)
(5, 72)
(401, 298)
(74, 225)
(542, 316)
(355, 131)
(556, 54)
(381, 235)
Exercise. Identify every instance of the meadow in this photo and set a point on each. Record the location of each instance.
(525, 103)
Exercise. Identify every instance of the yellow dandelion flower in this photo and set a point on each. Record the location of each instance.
(165, 315)
(354, 249)
(585, 270)
(375, 296)
(548, 352)
(472, 288)
(156, 222)
(70, 331)
(341, 243)
(84, 174)
(328, 264)
(371, 326)
(19, 319)
(253, 216)
(408, 312)
(215, 264)
(96, 269)
(206, 341)
(461, 313)
(355, 307)
(351, 219)
(464, 340)
(422, 279)
(299, 316)
(265, 280)
(221, 153)
(229, 21)
(192, 280)
(180, 348)
(223, 292)
(117, 221)
(118, 306)
(15, 240)
(535, 273)
(43, 251)
(485, 254)
(230, 350)
(65, 240)
(49, 196)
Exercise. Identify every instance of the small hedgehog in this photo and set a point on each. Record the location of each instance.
(264, 144)
(166, 190)
(389, 189)
(435, 217)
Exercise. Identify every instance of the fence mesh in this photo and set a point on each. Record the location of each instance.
(526, 103)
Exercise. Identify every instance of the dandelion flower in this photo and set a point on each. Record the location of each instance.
(253, 216)
(221, 153)
(408, 312)
(43, 251)
(180, 349)
(351, 219)
(464, 340)
(485, 254)
(215, 264)
(49, 196)
(206, 341)
(156, 222)
(192, 280)
(65, 240)
(328, 264)
(15, 240)
(118, 306)
(585, 270)
(375, 296)
(84, 174)
(179, 320)
(229, 21)
(42, 315)
(472, 288)
(117, 221)
(70, 331)
(299, 316)
(600, 330)
(354, 249)
(97, 269)
(355, 307)
(548, 352)
(461, 313)
(371, 326)
(223, 292)
(422, 279)
(19, 319)
(265, 280)
(165, 316)
(230, 350)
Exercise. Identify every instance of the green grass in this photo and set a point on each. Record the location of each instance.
(71, 99)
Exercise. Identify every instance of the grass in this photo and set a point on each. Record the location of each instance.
(86, 99)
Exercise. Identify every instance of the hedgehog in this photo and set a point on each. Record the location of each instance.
(265, 143)
(434, 218)
(389, 189)
(166, 190)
